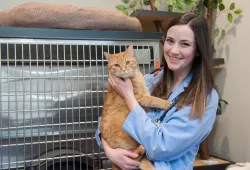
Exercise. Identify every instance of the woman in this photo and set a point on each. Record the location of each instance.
(187, 73)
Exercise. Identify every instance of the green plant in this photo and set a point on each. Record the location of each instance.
(179, 5)
(221, 101)
(230, 11)
(129, 6)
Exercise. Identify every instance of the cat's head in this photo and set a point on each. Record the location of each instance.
(122, 64)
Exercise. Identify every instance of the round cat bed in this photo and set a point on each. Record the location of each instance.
(44, 15)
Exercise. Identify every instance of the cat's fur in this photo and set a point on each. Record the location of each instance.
(115, 110)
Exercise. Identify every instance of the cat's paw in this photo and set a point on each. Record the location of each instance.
(140, 150)
(167, 104)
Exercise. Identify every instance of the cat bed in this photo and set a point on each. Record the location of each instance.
(45, 15)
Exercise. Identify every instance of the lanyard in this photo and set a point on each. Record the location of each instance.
(157, 122)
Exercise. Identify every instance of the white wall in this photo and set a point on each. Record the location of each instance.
(5, 4)
(230, 138)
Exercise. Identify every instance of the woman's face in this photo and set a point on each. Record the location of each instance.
(179, 48)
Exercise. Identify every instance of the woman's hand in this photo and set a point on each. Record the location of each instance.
(125, 90)
(121, 157)
(123, 86)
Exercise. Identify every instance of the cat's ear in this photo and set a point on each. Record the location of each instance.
(107, 55)
(130, 51)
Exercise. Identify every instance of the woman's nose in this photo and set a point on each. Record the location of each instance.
(175, 49)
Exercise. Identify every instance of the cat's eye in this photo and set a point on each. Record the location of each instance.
(117, 65)
(128, 62)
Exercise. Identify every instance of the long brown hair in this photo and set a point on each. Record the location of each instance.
(202, 81)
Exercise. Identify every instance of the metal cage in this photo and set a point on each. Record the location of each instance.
(53, 84)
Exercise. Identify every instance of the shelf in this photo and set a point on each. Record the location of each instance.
(218, 61)
(147, 18)
(219, 164)
(51, 33)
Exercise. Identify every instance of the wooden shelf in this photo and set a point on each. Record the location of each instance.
(147, 18)
(218, 164)
(218, 61)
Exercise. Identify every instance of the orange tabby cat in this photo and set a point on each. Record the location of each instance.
(115, 109)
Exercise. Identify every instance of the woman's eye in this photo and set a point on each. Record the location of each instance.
(128, 62)
(117, 65)
(169, 40)
(185, 44)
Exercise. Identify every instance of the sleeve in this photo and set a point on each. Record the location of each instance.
(98, 134)
(173, 138)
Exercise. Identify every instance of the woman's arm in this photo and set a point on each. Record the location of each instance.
(120, 157)
(174, 137)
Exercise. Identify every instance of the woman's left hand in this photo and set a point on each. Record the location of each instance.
(123, 87)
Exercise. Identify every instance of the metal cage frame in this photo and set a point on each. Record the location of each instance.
(53, 83)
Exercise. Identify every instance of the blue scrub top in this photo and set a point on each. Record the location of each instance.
(174, 144)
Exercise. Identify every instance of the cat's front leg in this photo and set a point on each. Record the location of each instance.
(115, 167)
(151, 101)
(146, 164)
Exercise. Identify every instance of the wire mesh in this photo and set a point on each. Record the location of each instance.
(51, 95)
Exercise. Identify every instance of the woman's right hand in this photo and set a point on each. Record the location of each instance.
(121, 157)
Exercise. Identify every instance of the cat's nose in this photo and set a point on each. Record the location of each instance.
(123, 69)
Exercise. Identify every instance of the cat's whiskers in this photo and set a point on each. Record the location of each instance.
(126, 74)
